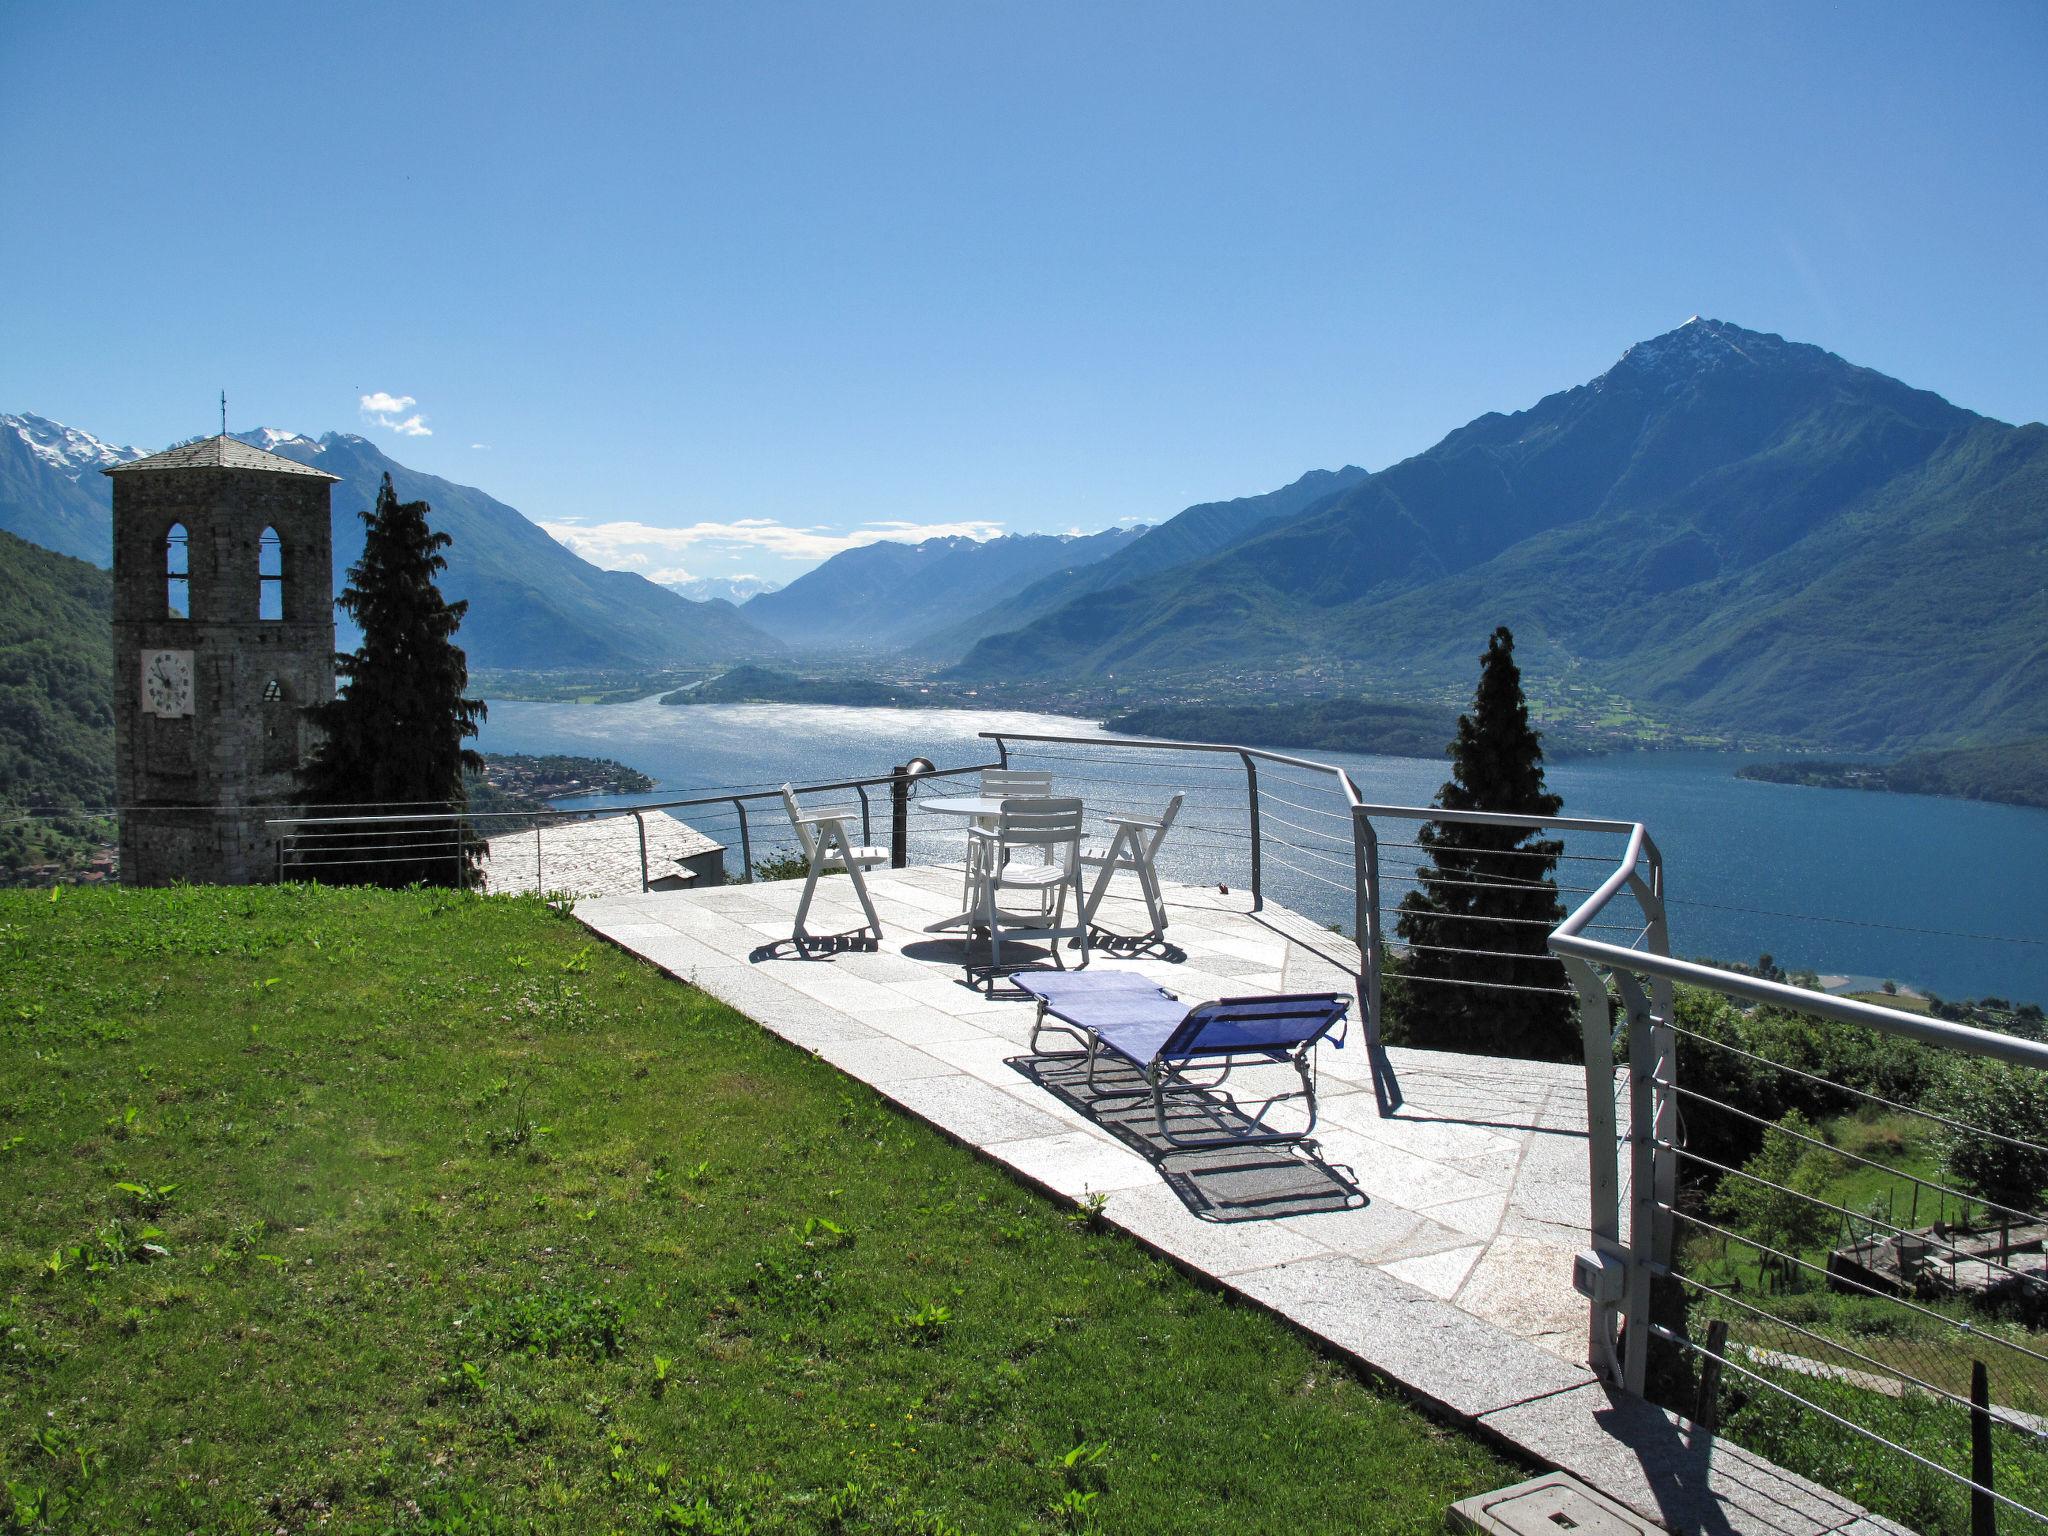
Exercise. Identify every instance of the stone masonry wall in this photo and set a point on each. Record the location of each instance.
(198, 790)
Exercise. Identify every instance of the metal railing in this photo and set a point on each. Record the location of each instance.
(1880, 1351)
(1302, 824)
(450, 841)
(1298, 832)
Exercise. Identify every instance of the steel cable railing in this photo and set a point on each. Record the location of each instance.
(1753, 1218)
(313, 846)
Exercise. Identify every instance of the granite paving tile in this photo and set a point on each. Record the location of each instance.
(1078, 1162)
(882, 1061)
(973, 1110)
(1429, 1346)
(1440, 1274)
(1515, 1284)
(1653, 1462)
(1435, 1246)
(1157, 1217)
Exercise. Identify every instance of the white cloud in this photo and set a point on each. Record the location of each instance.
(611, 544)
(388, 411)
(671, 575)
(486, 447)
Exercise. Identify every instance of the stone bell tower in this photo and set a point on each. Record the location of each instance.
(223, 635)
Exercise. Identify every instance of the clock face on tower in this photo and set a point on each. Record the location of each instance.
(167, 684)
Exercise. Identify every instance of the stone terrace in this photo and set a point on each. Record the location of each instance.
(1433, 1246)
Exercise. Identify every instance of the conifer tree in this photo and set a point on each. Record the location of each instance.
(1487, 898)
(395, 737)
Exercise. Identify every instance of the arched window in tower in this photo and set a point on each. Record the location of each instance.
(177, 574)
(270, 575)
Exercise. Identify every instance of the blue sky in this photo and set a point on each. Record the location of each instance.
(719, 288)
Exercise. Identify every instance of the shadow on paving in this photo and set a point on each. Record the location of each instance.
(1223, 1184)
(971, 958)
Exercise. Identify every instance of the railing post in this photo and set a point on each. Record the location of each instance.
(539, 886)
(1647, 1104)
(1706, 1405)
(746, 842)
(1365, 917)
(867, 829)
(899, 816)
(1663, 1015)
(640, 821)
(1599, 1274)
(1983, 1509)
(1251, 786)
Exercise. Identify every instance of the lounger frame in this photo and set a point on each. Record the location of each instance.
(1166, 1072)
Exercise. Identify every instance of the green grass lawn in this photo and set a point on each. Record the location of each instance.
(349, 1210)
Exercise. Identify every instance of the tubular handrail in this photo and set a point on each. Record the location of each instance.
(1530, 820)
(637, 808)
(1351, 794)
(1568, 939)
(299, 835)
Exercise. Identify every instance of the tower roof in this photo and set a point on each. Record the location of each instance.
(219, 453)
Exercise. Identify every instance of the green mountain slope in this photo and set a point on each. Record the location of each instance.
(2012, 773)
(876, 597)
(1185, 537)
(56, 666)
(1746, 532)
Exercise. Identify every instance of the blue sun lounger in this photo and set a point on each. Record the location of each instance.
(1128, 1016)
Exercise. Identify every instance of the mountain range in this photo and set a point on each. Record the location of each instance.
(51, 490)
(893, 596)
(1739, 532)
(1185, 537)
(532, 603)
(737, 590)
(1745, 532)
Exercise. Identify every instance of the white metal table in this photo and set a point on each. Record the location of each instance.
(976, 809)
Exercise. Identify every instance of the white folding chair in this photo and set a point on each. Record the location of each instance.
(1015, 783)
(1002, 784)
(1052, 826)
(827, 846)
(1134, 847)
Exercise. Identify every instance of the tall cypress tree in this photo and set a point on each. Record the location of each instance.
(1487, 898)
(395, 737)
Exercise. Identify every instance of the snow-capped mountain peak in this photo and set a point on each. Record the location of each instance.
(272, 437)
(733, 589)
(65, 449)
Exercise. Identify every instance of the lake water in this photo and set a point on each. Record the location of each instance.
(1950, 895)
